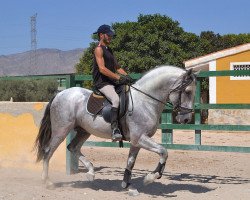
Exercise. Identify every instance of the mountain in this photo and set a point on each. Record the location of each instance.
(46, 61)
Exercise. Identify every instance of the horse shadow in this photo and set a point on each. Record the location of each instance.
(193, 183)
(154, 189)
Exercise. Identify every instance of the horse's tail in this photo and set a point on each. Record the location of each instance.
(44, 133)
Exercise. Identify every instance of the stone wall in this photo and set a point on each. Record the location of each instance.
(226, 116)
(19, 125)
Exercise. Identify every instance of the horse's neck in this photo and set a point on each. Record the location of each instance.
(158, 83)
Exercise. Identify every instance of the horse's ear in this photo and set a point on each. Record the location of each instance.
(197, 72)
(187, 74)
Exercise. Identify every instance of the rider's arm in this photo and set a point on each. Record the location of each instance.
(119, 69)
(122, 71)
(100, 62)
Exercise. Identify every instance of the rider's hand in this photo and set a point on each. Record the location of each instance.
(124, 80)
(129, 78)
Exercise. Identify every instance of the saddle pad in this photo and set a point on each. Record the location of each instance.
(95, 104)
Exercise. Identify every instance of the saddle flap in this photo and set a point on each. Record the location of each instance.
(95, 103)
(98, 104)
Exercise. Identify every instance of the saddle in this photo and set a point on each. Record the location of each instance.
(98, 104)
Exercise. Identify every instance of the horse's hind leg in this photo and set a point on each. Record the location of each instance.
(75, 148)
(133, 152)
(56, 139)
(149, 144)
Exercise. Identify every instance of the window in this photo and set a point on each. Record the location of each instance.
(240, 66)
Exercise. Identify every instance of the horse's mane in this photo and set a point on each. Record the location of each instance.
(160, 70)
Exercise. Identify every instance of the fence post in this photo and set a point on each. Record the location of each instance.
(71, 160)
(197, 115)
(167, 134)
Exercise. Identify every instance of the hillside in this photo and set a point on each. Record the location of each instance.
(48, 61)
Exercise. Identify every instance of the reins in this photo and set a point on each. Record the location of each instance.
(178, 108)
(169, 104)
(166, 104)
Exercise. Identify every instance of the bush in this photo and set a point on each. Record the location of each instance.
(28, 90)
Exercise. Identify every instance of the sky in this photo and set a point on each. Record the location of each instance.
(69, 24)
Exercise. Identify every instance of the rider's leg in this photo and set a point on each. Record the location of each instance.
(110, 93)
(116, 134)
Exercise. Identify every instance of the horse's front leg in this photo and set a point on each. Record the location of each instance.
(133, 152)
(149, 144)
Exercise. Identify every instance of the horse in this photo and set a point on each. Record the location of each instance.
(147, 99)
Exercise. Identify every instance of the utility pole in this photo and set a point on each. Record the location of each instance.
(33, 56)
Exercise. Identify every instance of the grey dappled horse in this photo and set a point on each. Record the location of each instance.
(67, 111)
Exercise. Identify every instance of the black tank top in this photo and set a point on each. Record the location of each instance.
(110, 62)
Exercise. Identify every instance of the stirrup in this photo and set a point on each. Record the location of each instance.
(116, 135)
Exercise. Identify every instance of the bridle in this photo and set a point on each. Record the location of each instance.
(176, 108)
(180, 89)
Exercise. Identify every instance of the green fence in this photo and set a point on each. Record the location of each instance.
(167, 126)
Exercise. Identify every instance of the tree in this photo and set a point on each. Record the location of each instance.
(158, 40)
(231, 40)
(211, 42)
(152, 40)
(25, 90)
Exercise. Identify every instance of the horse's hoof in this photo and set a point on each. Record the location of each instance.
(49, 185)
(150, 178)
(132, 191)
(125, 185)
(90, 176)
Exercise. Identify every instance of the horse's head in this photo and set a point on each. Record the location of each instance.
(182, 96)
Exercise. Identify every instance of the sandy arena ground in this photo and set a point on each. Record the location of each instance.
(188, 174)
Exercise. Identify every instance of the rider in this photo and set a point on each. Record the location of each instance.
(107, 74)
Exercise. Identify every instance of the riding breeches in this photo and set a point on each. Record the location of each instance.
(111, 95)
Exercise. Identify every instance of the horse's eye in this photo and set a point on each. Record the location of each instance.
(188, 93)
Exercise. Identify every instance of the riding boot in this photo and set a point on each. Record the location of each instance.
(116, 133)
